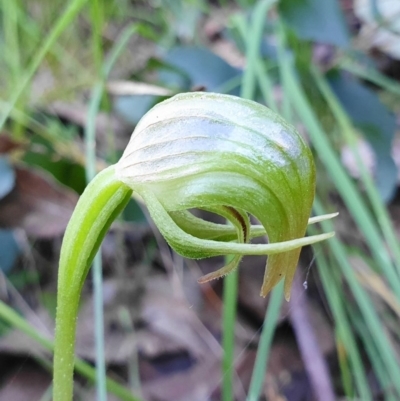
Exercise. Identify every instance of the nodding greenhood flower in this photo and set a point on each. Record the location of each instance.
(218, 153)
(230, 156)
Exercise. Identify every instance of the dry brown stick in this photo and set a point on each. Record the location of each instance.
(314, 361)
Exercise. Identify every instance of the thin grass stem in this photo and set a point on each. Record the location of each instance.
(228, 339)
(344, 332)
(90, 168)
(370, 74)
(264, 345)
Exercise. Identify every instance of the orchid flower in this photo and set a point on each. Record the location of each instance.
(219, 153)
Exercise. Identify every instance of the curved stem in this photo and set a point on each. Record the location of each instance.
(104, 198)
(230, 293)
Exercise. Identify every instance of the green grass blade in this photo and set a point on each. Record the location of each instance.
(370, 74)
(63, 22)
(262, 77)
(266, 86)
(359, 212)
(373, 354)
(350, 137)
(97, 18)
(12, 51)
(365, 305)
(343, 183)
(331, 289)
(264, 345)
(228, 338)
(254, 37)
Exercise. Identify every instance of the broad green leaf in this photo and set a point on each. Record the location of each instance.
(41, 153)
(317, 20)
(375, 122)
(200, 66)
(133, 108)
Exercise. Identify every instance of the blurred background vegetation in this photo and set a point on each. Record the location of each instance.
(76, 77)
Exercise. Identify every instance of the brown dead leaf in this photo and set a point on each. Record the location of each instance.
(7, 144)
(128, 88)
(168, 325)
(176, 361)
(196, 384)
(37, 204)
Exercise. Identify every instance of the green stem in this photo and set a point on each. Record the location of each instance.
(90, 139)
(97, 277)
(99, 205)
(242, 224)
(64, 355)
(228, 338)
(11, 317)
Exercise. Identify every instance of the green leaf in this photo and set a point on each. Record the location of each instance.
(133, 108)
(43, 155)
(201, 67)
(377, 124)
(317, 20)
